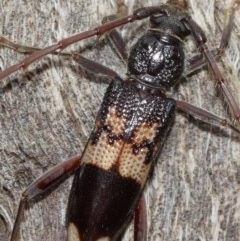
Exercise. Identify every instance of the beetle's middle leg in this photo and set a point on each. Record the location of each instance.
(204, 115)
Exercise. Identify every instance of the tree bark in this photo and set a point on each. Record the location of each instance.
(47, 113)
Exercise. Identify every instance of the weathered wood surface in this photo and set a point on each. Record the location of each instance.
(47, 112)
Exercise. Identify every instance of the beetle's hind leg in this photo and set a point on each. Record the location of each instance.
(205, 116)
(140, 221)
(42, 184)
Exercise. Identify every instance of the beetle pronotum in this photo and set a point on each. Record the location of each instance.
(197, 177)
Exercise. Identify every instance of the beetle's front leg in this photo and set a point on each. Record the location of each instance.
(139, 14)
(39, 186)
(196, 62)
(221, 83)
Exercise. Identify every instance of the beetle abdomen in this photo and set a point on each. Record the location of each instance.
(102, 203)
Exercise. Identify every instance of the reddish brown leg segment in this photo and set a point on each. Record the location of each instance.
(41, 185)
(199, 61)
(137, 15)
(222, 84)
(200, 40)
(228, 27)
(118, 43)
(94, 67)
(140, 221)
(115, 37)
(66, 42)
(203, 115)
(17, 47)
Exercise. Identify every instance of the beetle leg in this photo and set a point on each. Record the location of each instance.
(221, 83)
(196, 62)
(41, 185)
(22, 49)
(17, 47)
(115, 37)
(68, 41)
(94, 67)
(139, 14)
(118, 44)
(140, 221)
(204, 115)
(229, 16)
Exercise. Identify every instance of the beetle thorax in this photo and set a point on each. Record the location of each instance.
(156, 59)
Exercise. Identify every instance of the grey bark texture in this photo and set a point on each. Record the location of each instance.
(47, 113)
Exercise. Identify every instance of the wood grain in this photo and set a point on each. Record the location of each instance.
(47, 112)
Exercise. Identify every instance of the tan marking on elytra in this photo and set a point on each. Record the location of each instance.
(73, 233)
(119, 153)
(117, 123)
(102, 154)
(133, 165)
(145, 132)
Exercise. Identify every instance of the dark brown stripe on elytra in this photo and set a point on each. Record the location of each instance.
(101, 202)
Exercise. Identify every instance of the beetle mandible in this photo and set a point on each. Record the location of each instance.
(29, 154)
